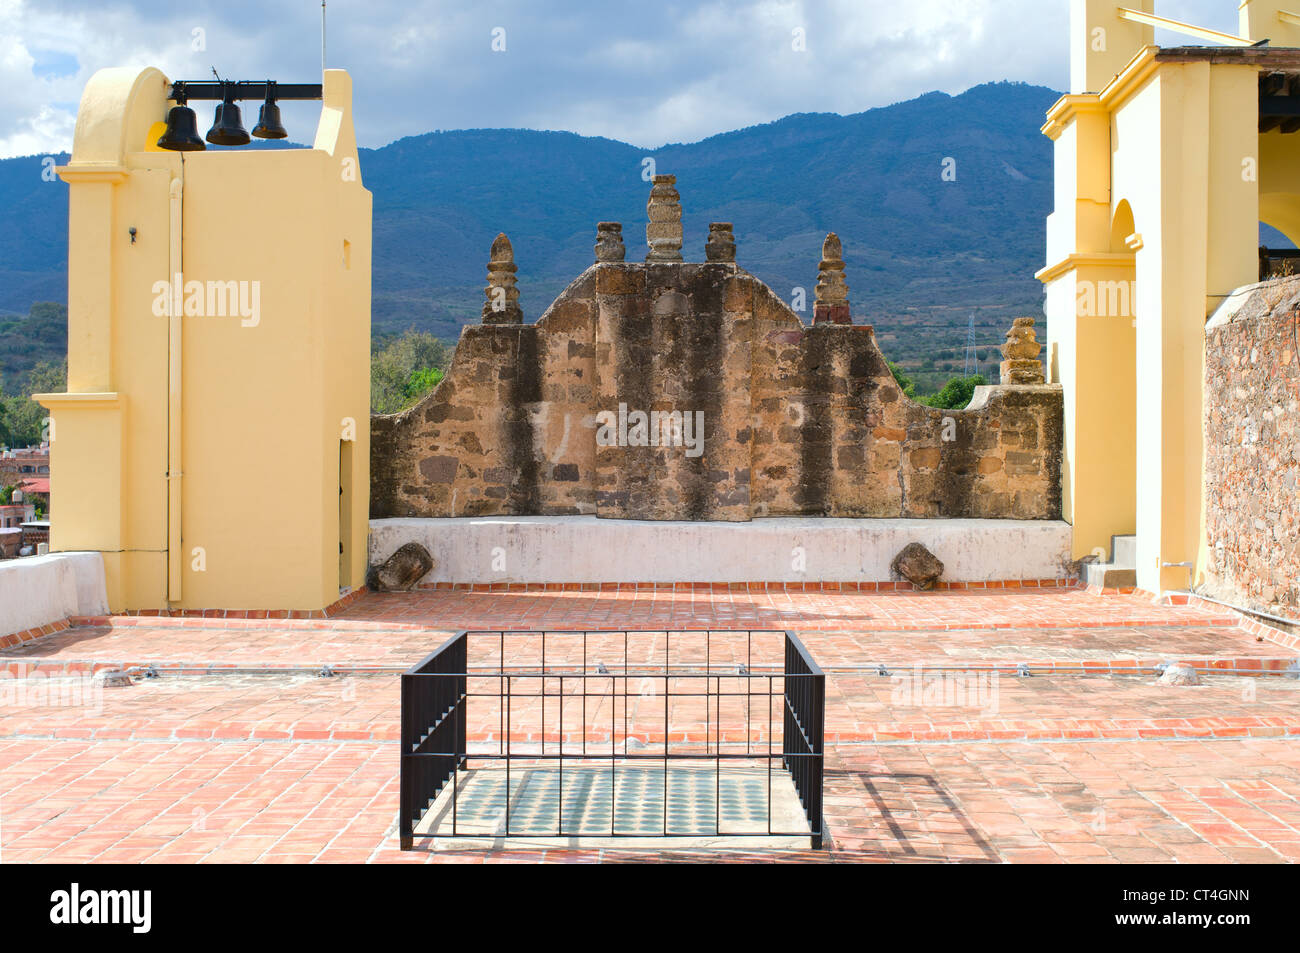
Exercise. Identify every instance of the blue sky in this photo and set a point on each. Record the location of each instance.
(646, 73)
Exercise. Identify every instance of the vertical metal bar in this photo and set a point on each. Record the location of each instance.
(614, 702)
(508, 759)
(561, 822)
(459, 659)
(613, 750)
(717, 748)
(455, 795)
(406, 784)
(708, 664)
(501, 695)
(749, 667)
(543, 692)
(666, 676)
(771, 690)
(584, 693)
(818, 764)
(462, 748)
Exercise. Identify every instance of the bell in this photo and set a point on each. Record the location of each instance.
(268, 122)
(182, 132)
(227, 127)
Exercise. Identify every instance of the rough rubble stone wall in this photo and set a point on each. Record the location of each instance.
(798, 420)
(1252, 442)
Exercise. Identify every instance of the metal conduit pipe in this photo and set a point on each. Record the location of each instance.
(1241, 609)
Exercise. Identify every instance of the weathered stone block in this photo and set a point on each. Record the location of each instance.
(439, 469)
(620, 281)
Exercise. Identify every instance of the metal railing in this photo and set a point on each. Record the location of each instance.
(805, 724)
(688, 735)
(433, 730)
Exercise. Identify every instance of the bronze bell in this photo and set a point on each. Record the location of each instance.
(182, 132)
(227, 127)
(268, 121)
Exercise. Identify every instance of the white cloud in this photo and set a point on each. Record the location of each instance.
(675, 71)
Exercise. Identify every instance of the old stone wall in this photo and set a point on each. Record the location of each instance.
(1252, 395)
(798, 420)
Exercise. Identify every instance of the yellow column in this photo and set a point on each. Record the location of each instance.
(1101, 43)
(90, 277)
(1090, 329)
(1275, 20)
(1202, 246)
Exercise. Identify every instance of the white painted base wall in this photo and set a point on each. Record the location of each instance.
(38, 590)
(587, 549)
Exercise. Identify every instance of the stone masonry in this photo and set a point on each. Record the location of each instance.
(1252, 450)
(672, 390)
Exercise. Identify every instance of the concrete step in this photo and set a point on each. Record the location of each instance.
(1124, 551)
(1109, 576)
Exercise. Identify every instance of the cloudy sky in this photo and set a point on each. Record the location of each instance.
(643, 72)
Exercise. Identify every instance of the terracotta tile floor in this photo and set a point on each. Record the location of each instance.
(921, 765)
(805, 611)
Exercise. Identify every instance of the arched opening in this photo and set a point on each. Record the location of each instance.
(1121, 228)
(1279, 227)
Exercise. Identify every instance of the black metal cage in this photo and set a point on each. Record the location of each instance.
(613, 733)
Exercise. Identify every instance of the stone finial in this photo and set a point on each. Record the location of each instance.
(1020, 363)
(609, 242)
(721, 245)
(663, 231)
(502, 305)
(832, 301)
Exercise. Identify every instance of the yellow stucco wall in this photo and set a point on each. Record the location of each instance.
(1172, 143)
(1101, 43)
(1259, 20)
(247, 411)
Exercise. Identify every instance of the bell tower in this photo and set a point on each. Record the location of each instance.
(218, 355)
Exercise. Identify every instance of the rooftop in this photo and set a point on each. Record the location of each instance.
(1077, 763)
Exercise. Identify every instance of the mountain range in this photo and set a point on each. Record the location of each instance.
(925, 251)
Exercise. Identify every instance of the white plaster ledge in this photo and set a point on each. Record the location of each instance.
(587, 549)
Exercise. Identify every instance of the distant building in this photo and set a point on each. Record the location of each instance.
(20, 510)
(35, 532)
(35, 486)
(12, 518)
(17, 465)
(14, 515)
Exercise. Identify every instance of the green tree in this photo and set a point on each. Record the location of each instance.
(22, 420)
(421, 382)
(6, 436)
(956, 394)
(405, 368)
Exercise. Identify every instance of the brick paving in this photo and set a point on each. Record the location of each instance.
(1091, 767)
(805, 611)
